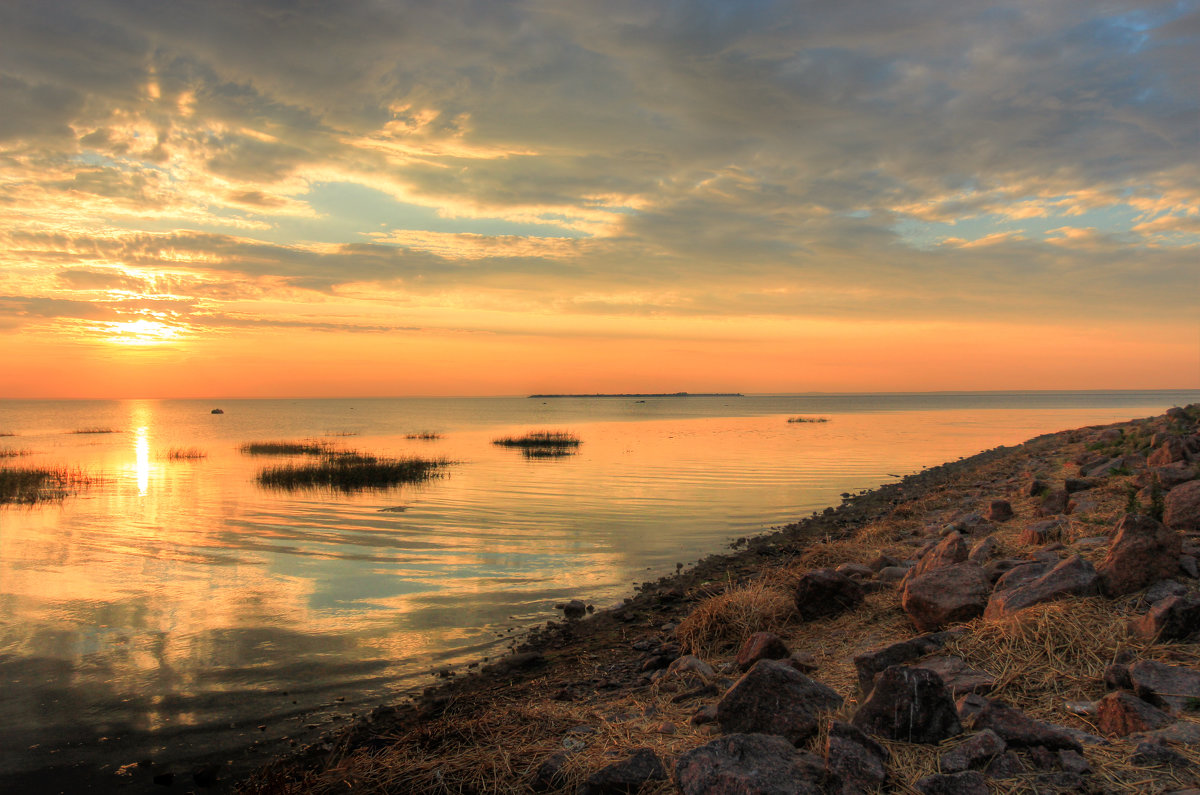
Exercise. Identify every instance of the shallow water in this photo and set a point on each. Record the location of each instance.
(170, 606)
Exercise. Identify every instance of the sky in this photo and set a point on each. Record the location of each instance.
(470, 197)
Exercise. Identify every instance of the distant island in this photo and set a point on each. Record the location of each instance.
(647, 395)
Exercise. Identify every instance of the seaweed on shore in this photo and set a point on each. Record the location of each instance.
(31, 485)
(351, 471)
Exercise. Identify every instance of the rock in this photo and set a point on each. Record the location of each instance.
(971, 524)
(1171, 687)
(824, 592)
(1073, 485)
(761, 646)
(1116, 677)
(1181, 508)
(1142, 551)
(1006, 765)
(1036, 488)
(1183, 732)
(803, 661)
(950, 550)
(572, 609)
(1016, 728)
(996, 569)
(1110, 435)
(983, 549)
(1154, 754)
(892, 573)
(881, 562)
(740, 764)
(774, 698)
(1169, 477)
(970, 782)
(871, 663)
(974, 753)
(626, 776)
(1169, 452)
(1055, 502)
(858, 762)
(551, 774)
(1123, 713)
(1043, 532)
(909, 704)
(1189, 566)
(859, 570)
(691, 664)
(1071, 577)
(1022, 574)
(957, 677)
(1173, 618)
(706, 714)
(1162, 590)
(946, 595)
(1074, 762)
(1000, 511)
(1082, 504)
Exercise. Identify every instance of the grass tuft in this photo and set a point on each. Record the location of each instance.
(31, 485)
(723, 622)
(351, 471)
(542, 444)
(95, 429)
(14, 452)
(304, 447)
(185, 454)
(424, 436)
(808, 419)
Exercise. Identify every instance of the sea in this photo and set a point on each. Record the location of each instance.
(174, 611)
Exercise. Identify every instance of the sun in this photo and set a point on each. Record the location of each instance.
(141, 333)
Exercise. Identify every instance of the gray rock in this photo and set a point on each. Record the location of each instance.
(946, 595)
(1000, 511)
(1157, 754)
(774, 698)
(909, 704)
(858, 570)
(1015, 727)
(740, 764)
(1043, 532)
(957, 677)
(974, 753)
(824, 592)
(1171, 687)
(1023, 573)
(871, 663)
(858, 762)
(626, 776)
(970, 782)
(1071, 577)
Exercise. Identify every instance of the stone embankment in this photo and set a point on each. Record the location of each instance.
(1024, 621)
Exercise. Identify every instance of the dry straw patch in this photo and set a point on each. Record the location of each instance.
(723, 622)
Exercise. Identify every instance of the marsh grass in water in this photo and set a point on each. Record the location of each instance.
(351, 471)
(424, 436)
(539, 439)
(808, 419)
(303, 447)
(185, 454)
(12, 452)
(31, 485)
(95, 429)
(548, 452)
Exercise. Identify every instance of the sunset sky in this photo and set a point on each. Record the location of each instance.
(229, 198)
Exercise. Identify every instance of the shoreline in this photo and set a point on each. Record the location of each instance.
(584, 692)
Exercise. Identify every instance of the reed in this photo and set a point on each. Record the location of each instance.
(95, 429)
(351, 471)
(539, 439)
(185, 454)
(548, 452)
(808, 419)
(31, 485)
(14, 452)
(303, 447)
(424, 436)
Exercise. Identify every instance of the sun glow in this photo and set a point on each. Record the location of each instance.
(141, 332)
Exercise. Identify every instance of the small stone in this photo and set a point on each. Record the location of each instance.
(858, 570)
(1172, 687)
(869, 664)
(1055, 502)
(1000, 511)
(1006, 765)
(572, 609)
(691, 664)
(1172, 618)
(1016, 728)
(1074, 762)
(1116, 677)
(983, 549)
(706, 714)
(1043, 532)
(1182, 507)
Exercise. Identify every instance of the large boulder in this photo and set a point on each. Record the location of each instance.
(1182, 507)
(946, 595)
(909, 704)
(1074, 576)
(738, 764)
(824, 592)
(774, 698)
(1142, 552)
(870, 664)
(858, 762)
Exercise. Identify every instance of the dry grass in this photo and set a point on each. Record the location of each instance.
(723, 622)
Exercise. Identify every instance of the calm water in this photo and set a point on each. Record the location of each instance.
(165, 611)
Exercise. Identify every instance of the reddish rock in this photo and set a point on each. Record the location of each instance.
(1000, 511)
(983, 549)
(1123, 713)
(909, 704)
(1182, 507)
(1023, 573)
(857, 761)
(1173, 618)
(774, 698)
(761, 646)
(738, 764)
(871, 663)
(1142, 551)
(824, 592)
(1043, 532)
(950, 550)
(1170, 477)
(1074, 576)
(1055, 502)
(1169, 452)
(1073, 485)
(970, 782)
(626, 776)
(1013, 726)
(1170, 687)
(881, 562)
(975, 752)
(859, 570)
(946, 596)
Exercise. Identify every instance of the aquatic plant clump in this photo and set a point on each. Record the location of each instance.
(426, 436)
(95, 429)
(304, 447)
(542, 439)
(185, 454)
(30, 485)
(12, 452)
(351, 472)
(808, 419)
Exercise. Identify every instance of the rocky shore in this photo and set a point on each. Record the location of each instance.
(1026, 620)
